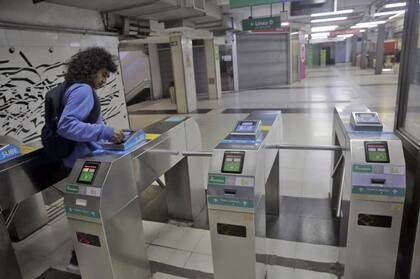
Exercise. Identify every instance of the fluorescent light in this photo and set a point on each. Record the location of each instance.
(397, 15)
(285, 24)
(306, 36)
(324, 28)
(294, 33)
(320, 35)
(395, 5)
(328, 19)
(389, 13)
(362, 30)
(386, 70)
(368, 24)
(333, 13)
(345, 36)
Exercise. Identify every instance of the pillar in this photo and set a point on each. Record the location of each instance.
(155, 72)
(183, 70)
(363, 59)
(235, 63)
(380, 49)
(213, 69)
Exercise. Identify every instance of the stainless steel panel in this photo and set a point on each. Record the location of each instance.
(415, 263)
(372, 251)
(9, 267)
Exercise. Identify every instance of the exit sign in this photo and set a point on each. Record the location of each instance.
(261, 24)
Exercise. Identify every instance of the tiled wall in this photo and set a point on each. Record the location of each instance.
(31, 62)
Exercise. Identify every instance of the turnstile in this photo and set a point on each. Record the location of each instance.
(102, 197)
(243, 186)
(24, 173)
(368, 193)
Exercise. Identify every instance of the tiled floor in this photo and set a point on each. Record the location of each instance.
(181, 252)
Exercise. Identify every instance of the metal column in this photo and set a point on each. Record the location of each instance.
(213, 69)
(363, 59)
(380, 49)
(183, 70)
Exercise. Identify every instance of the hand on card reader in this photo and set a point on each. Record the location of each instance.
(125, 139)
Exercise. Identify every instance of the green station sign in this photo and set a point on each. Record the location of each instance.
(261, 24)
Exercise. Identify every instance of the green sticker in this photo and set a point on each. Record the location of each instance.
(231, 202)
(217, 179)
(362, 168)
(83, 212)
(380, 191)
(72, 189)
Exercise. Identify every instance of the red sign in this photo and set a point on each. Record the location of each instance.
(344, 32)
(389, 47)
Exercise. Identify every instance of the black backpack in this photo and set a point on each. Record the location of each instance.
(56, 146)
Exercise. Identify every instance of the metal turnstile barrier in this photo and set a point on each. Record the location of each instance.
(243, 186)
(368, 193)
(102, 197)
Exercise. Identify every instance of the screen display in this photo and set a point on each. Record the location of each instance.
(376, 152)
(233, 162)
(88, 173)
(246, 126)
(367, 118)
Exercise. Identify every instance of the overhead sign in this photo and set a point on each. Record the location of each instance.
(246, 3)
(344, 32)
(264, 24)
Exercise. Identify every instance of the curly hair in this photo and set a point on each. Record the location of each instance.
(84, 65)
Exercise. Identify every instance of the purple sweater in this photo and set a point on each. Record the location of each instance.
(79, 102)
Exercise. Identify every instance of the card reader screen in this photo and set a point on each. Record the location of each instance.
(376, 152)
(367, 118)
(246, 127)
(88, 172)
(233, 162)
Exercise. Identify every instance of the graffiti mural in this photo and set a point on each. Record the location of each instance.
(25, 78)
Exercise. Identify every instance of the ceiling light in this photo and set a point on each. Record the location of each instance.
(397, 15)
(386, 70)
(320, 35)
(368, 24)
(333, 13)
(389, 13)
(294, 33)
(395, 5)
(329, 19)
(285, 24)
(362, 30)
(324, 28)
(345, 36)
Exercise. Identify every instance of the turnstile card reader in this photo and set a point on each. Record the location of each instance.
(131, 139)
(8, 151)
(366, 121)
(246, 129)
(243, 185)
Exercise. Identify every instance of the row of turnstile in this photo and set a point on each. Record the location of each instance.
(104, 212)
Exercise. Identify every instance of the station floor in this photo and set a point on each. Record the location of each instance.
(302, 242)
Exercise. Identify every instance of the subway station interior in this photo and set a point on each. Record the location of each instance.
(262, 139)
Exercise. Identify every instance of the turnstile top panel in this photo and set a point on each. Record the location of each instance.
(28, 152)
(158, 129)
(267, 118)
(343, 115)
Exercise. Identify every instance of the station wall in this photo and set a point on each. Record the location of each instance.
(32, 62)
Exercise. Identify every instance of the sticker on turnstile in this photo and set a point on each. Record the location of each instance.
(230, 202)
(83, 190)
(265, 128)
(378, 191)
(232, 180)
(82, 212)
(88, 239)
(151, 136)
(175, 119)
